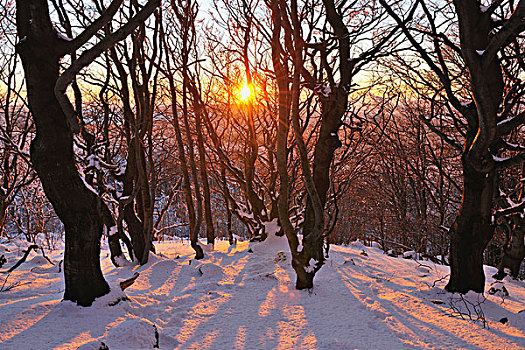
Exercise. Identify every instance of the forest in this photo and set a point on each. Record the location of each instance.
(134, 133)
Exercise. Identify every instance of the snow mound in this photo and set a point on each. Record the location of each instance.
(135, 333)
(357, 244)
(207, 248)
(410, 255)
(272, 243)
(122, 261)
(38, 261)
(202, 269)
(45, 269)
(210, 270)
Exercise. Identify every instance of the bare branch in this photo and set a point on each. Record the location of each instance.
(89, 56)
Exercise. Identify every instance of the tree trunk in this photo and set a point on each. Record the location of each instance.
(226, 195)
(129, 182)
(471, 232)
(513, 251)
(210, 229)
(305, 279)
(53, 158)
(194, 233)
(3, 213)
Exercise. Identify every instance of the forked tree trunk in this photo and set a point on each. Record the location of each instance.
(53, 158)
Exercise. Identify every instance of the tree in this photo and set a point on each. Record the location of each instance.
(41, 47)
(486, 110)
(327, 68)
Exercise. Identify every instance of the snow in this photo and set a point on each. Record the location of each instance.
(311, 266)
(324, 90)
(244, 214)
(271, 227)
(236, 299)
(499, 159)
(89, 187)
(63, 36)
(113, 230)
(93, 162)
(410, 254)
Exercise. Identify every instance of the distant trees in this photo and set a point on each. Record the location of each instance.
(16, 126)
(15, 133)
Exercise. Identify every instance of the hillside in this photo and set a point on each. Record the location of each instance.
(241, 298)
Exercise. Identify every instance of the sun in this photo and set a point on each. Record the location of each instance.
(245, 93)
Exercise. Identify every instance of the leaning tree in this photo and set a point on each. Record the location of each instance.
(41, 48)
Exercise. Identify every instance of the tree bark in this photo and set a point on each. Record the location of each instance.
(41, 49)
(471, 232)
(53, 158)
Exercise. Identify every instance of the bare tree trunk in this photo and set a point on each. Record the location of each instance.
(52, 156)
(3, 213)
(210, 229)
(513, 251)
(199, 254)
(226, 195)
(471, 232)
(41, 49)
(473, 228)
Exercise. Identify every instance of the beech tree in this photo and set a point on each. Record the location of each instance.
(327, 66)
(489, 110)
(41, 48)
(238, 65)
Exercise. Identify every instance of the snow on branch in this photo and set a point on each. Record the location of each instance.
(509, 162)
(517, 208)
(507, 125)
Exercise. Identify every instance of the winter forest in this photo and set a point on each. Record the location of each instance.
(262, 174)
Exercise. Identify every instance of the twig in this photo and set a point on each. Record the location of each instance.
(11, 286)
(439, 280)
(32, 246)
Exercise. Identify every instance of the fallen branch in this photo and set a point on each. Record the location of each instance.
(32, 246)
(127, 283)
(439, 280)
(23, 259)
(7, 288)
(44, 255)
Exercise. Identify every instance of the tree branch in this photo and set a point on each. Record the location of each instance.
(94, 27)
(89, 56)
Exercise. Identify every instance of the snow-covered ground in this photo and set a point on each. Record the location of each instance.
(239, 299)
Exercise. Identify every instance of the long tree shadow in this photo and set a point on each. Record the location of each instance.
(415, 320)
